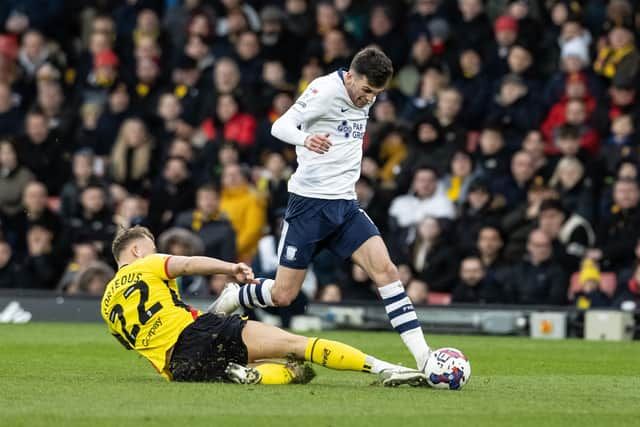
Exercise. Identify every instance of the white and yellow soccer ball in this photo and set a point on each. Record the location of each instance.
(447, 368)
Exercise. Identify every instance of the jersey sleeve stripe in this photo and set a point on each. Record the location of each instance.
(166, 267)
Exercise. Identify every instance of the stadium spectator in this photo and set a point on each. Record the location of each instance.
(618, 230)
(590, 295)
(92, 280)
(111, 117)
(426, 198)
(84, 253)
(482, 207)
(574, 188)
(11, 115)
(174, 192)
(431, 258)
(131, 211)
(39, 269)
(571, 234)
(459, 177)
(418, 292)
(210, 224)
(473, 285)
(9, 271)
(514, 187)
(131, 156)
(245, 209)
(35, 212)
(489, 248)
(181, 242)
(82, 165)
(537, 278)
(94, 222)
(43, 153)
(13, 178)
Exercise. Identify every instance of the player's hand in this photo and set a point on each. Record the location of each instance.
(318, 143)
(243, 273)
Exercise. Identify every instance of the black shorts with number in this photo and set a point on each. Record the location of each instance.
(205, 347)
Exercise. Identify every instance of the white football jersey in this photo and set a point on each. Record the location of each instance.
(325, 108)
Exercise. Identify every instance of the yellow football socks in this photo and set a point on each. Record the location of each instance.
(336, 355)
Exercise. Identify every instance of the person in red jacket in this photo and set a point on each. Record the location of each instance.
(232, 124)
(574, 108)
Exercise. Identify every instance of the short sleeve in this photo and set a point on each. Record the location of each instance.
(157, 264)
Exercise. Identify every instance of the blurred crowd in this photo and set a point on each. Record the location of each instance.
(501, 165)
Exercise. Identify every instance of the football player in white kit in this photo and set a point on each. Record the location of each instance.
(327, 125)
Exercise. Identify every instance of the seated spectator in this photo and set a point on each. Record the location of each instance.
(42, 153)
(534, 144)
(82, 175)
(94, 222)
(426, 198)
(574, 187)
(210, 224)
(84, 253)
(482, 207)
(474, 87)
(374, 200)
(619, 228)
(231, 123)
(245, 209)
(9, 272)
(131, 211)
(35, 212)
(620, 143)
(417, 291)
(40, 269)
(618, 56)
(576, 115)
(421, 57)
(518, 223)
(515, 109)
(521, 63)
(273, 184)
(514, 187)
(447, 113)
(426, 146)
(265, 142)
(570, 233)
(432, 259)
(506, 34)
(627, 295)
(493, 156)
(111, 117)
(173, 192)
(431, 81)
(590, 295)
(13, 178)
(537, 278)
(474, 27)
(11, 115)
(621, 100)
(92, 280)
(474, 285)
(489, 248)
(131, 156)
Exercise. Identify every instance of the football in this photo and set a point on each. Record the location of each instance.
(447, 368)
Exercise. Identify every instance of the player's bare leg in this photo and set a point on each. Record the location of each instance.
(374, 258)
(268, 342)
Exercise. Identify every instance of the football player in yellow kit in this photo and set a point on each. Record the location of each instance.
(143, 310)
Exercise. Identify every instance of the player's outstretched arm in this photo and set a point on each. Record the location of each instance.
(191, 265)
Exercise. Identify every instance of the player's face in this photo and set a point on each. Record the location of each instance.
(359, 89)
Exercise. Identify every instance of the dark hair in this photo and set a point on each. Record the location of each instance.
(125, 236)
(552, 204)
(209, 186)
(568, 131)
(372, 63)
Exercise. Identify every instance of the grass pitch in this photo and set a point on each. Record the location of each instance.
(77, 375)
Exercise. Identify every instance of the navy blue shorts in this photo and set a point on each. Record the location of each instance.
(311, 225)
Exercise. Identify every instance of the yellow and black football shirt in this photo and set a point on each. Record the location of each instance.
(143, 309)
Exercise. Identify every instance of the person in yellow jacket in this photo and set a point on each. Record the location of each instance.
(245, 209)
(618, 56)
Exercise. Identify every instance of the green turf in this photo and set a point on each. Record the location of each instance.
(77, 375)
